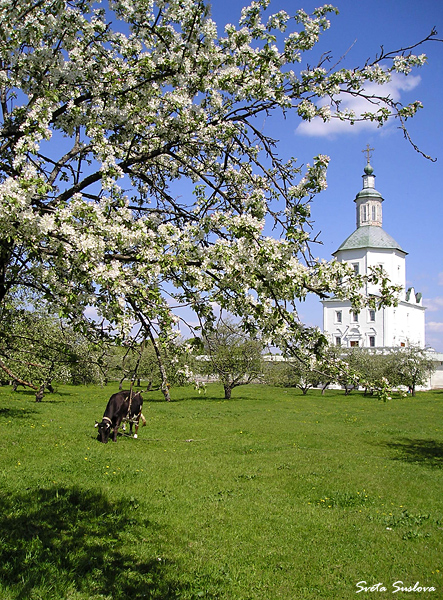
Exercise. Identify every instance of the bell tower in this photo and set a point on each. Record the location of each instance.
(368, 200)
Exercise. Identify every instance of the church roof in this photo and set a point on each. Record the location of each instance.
(370, 236)
(368, 193)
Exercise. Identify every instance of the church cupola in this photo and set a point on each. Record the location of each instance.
(368, 200)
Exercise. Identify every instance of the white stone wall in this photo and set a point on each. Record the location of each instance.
(437, 377)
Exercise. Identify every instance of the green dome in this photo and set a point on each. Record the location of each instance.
(368, 169)
(370, 236)
(368, 193)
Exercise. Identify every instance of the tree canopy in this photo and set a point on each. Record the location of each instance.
(232, 357)
(37, 349)
(410, 367)
(107, 111)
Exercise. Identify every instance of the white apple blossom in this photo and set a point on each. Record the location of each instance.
(100, 125)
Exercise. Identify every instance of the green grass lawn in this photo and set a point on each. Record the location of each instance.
(271, 495)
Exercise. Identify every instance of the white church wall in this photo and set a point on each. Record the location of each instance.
(366, 258)
(411, 325)
(347, 328)
(392, 262)
(436, 381)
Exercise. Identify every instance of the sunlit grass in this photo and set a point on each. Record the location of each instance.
(271, 495)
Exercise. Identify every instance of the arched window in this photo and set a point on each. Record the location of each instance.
(364, 212)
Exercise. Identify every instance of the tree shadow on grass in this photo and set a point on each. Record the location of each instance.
(203, 397)
(209, 397)
(16, 413)
(54, 397)
(421, 451)
(55, 543)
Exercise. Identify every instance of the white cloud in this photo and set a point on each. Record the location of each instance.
(434, 326)
(318, 128)
(434, 304)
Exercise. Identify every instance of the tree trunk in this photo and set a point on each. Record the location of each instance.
(228, 391)
(17, 380)
(147, 328)
(46, 384)
(40, 393)
(165, 385)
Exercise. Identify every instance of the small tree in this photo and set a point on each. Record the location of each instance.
(233, 357)
(293, 373)
(365, 369)
(409, 366)
(356, 367)
(327, 368)
(345, 370)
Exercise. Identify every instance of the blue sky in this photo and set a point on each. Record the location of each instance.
(411, 185)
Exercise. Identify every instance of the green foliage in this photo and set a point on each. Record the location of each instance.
(135, 362)
(293, 373)
(40, 348)
(409, 367)
(233, 357)
(375, 371)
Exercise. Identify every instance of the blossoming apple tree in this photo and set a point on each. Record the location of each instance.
(134, 174)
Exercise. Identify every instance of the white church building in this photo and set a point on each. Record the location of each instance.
(368, 246)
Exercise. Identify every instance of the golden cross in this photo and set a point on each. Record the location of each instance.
(368, 151)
